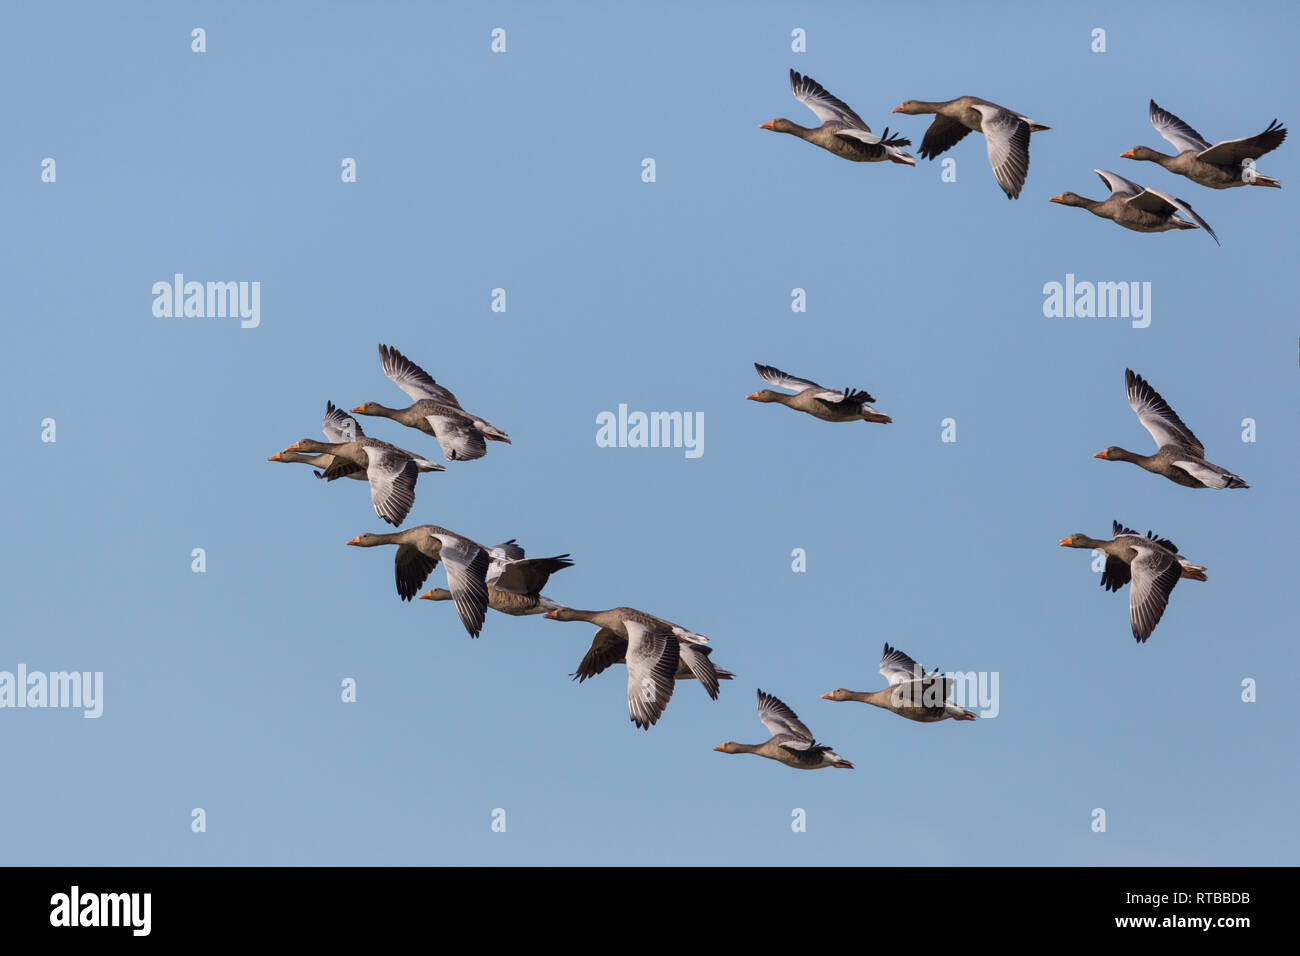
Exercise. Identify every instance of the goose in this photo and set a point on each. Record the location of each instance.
(390, 470)
(1180, 456)
(842, 131)
(609, 646)
(1221, 166)
(850, 405)
(434, 410)
(1005, 131)
(1135, 207)
(514, 583)
(912, 693)
(418, 551)
(791, 742)
(1154, 566)
(338, 426)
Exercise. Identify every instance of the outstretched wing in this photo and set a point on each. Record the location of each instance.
(1156, 415)
(1181, 136)
(339, 426)
(943, 134)
(607, 649)
(829, 108)
(392, 482)
(1117, 184)
(1232, 152)
(1007, 136)
(897, 668)
(1162, 203)
(1155, 572)
(410, 378)
(466, 565)
(774, 376)
(780, 719)
(652, 656)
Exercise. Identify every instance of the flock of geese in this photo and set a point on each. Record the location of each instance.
(658, 652)
(1006, 134)
(1149, 564)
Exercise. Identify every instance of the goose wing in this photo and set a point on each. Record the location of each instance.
(339, 426)
(780, 719)
(528, 576)
(897, 668)
(1157, 417)
(410, 378)
(1232, 152)
(457, 436)
(944, 133)
(411, 567)
(392, 482)
(466, 565)
(791, 383)
(1117, 184)
(652, 657)
(1007, 136)
(829, 108)
(1163, 204)
(607, 649)
(1181, 136)
(1155, 572)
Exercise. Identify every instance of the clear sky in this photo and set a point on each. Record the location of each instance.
(523, 171)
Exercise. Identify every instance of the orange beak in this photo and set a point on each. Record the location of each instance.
(275, 457)
(355, 540)
(1063, 542)
(719, 746)
(422, 596)
(751, 398)
(897, 109)
(767, 125)
(828, 696)
(293, 447)
(1057, 198)
(358, 408)
(1128, 155)
(1100, 454)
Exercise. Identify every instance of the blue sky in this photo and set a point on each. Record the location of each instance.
(522, 171)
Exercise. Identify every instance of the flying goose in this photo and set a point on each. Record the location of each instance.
(609, 646)
(1005, 132)
(1154, 566)
(849, 405)
(791, 742)
(842, 131)
(418, 551)
(1135, 207)
(390, 470)
(912, 693)
(514, 583)
(338, 426)
(434, 410)
(1180, 456)
(1221, 166)
(335, 425)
